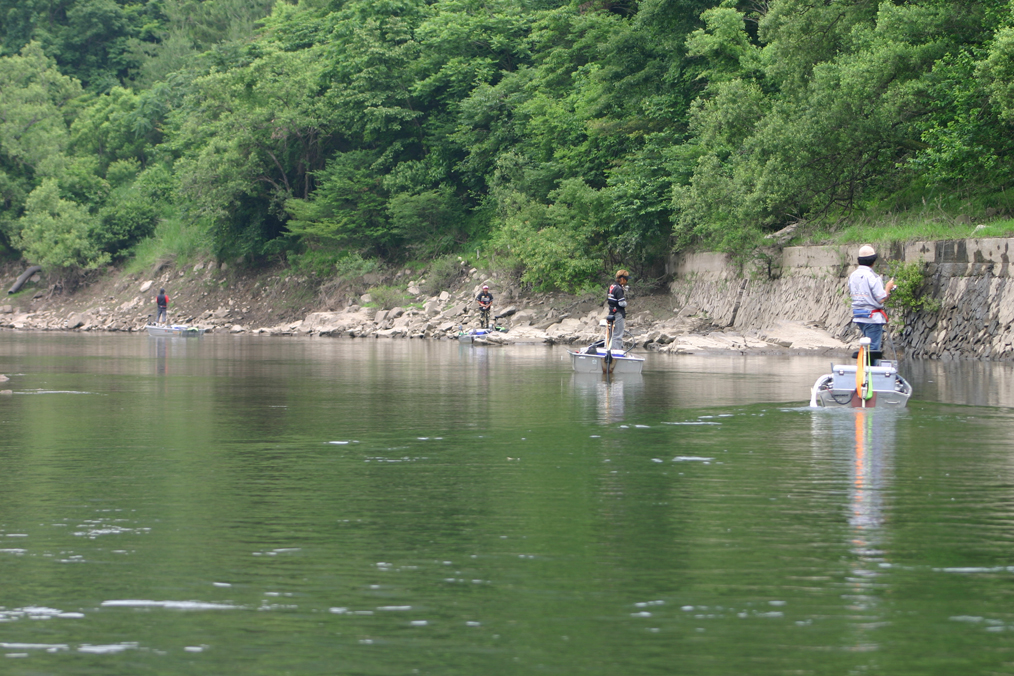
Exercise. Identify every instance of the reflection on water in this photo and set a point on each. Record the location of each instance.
(969, 383)
(610, 395)
(861, 443)
(240, 504)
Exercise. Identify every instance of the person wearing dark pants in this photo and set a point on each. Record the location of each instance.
(485, 300)
(162, 305)
(616, 299)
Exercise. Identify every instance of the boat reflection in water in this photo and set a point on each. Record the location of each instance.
(611, 395)
(861, 443)
(165, 348)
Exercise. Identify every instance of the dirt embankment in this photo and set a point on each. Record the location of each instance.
(236, 300)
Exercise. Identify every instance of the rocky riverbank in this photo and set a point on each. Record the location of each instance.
(224, 300)
(793, 301)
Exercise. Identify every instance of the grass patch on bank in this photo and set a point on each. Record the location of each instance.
(443, 273)
(172, 240)
(387, 297)
(861, 233)
(908, 227)
(915, 215)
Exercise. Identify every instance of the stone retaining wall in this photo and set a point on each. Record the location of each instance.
(971, 279)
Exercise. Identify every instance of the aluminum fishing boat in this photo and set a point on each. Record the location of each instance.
(478, 334)
(469, 336)
(862, 384)
(592, 359)
(174, 331)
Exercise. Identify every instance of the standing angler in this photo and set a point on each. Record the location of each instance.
(162, 304)
(869, 294)
(617, 301)
(485, 300)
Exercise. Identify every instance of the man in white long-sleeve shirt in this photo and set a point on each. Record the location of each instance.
(869, 294)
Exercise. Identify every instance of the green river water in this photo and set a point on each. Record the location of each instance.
(246, 505)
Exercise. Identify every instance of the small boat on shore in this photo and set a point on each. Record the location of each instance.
(592, 359)
(477, 334)
(469, 336)
(177, 330)
(867, 383)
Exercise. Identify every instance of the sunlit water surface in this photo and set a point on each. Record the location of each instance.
(242, 505)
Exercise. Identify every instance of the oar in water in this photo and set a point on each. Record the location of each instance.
(607, 363)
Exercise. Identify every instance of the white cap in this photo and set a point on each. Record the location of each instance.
(866, 250)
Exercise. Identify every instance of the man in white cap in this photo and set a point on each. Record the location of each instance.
(485, 300)
(869, 294)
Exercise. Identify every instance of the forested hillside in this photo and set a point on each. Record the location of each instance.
(560, 138)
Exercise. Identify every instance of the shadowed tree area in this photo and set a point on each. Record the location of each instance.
(559, 138)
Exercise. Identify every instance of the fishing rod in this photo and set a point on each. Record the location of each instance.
(890, 341)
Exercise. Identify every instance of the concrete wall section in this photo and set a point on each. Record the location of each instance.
(971, 279)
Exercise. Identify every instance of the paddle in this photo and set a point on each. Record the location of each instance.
(864, 384)
(607, 363)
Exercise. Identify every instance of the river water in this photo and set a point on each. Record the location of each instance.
(245, 505)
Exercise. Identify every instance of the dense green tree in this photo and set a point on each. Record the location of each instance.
(821, 111)
(565, 138)
(36, 105)
(58, 233)
(249, 139)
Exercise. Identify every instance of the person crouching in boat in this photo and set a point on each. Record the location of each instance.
(616, 299)
(485, 301)
(162, 305)
(869, 293)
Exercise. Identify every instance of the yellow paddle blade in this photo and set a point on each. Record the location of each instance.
(860, 371)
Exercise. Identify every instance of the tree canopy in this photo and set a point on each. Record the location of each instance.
(564, 138)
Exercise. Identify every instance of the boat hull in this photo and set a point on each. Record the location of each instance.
(851, 399)
(890, 391)
(474, 335)
(585, 362)
(174, 331)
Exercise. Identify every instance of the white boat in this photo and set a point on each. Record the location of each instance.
(175, 330)
(862, 384)
(592, 359)
(474, 334)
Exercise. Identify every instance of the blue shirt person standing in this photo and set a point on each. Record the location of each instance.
(869, 294)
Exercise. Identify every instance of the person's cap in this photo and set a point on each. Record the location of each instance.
(622, 273)
(485, 288)
(161, 290)
(866, 250)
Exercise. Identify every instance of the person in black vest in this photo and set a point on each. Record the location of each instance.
(485, 300)
(162, 303)
(617, 301)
